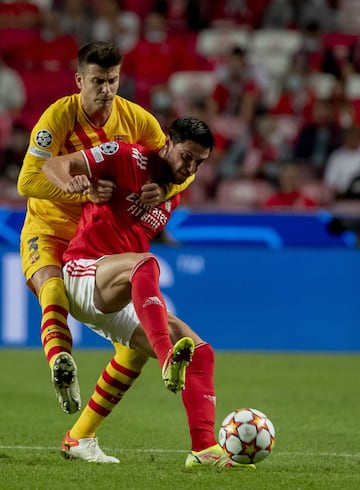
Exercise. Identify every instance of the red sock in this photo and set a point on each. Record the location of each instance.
(150, 306)
(199, 398)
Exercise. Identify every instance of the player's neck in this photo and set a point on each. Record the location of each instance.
(97, 118)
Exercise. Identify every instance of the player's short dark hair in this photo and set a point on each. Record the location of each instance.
(190, 128)
(102, 53)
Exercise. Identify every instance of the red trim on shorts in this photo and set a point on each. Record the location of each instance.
(78, 270)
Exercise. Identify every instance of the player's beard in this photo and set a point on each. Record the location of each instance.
(167, 175)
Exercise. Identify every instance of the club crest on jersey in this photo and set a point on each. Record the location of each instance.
(43, 138)
(139, 157)
(109, 148)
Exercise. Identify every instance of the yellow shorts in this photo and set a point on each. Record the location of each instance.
(38, 251)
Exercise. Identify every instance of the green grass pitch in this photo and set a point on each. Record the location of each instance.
(312, 399)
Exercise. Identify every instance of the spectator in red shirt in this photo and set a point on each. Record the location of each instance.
(290, 194)
(46, 65)
(239, 88)
(49, 50)
(296, 97)
(153, 59)
(18, 14)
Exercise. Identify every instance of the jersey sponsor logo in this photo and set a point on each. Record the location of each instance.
(109, 148)
(155, 217)
(141, 161)
(45, 155)
(43, 138)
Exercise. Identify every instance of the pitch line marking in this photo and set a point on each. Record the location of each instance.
(280, 453)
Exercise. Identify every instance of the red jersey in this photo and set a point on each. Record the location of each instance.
(123, 224)
(292, 199)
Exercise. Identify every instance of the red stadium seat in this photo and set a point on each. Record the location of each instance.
(215, 43)
(42, 89)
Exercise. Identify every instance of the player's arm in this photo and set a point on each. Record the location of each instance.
(69, 173)
(33, 183)
(45, 142)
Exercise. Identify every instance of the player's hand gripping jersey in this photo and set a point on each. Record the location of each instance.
(123, 224)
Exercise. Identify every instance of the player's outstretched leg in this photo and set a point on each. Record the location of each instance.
(86, 449)
(178, 359)
(57, 343)
(150, 306)
(116, 379)
(199, 400)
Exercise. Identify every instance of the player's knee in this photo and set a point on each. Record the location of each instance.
(146, 260)
(43, 276)
(204, 353)
(139, 343)
(129, 357)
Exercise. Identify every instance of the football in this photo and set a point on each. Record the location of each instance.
(247, 435)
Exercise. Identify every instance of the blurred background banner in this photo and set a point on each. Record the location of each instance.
(261, 229)
(253, 283)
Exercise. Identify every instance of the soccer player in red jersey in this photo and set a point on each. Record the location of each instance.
(113, 281)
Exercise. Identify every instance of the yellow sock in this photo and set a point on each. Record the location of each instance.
(55, 334)
(118, 376)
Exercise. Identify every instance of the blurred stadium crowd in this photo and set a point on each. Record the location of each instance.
(278, 81)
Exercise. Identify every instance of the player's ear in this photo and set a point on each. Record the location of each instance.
(78, 80)
(167, 144)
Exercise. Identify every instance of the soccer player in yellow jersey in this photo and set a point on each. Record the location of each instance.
(94, 115)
